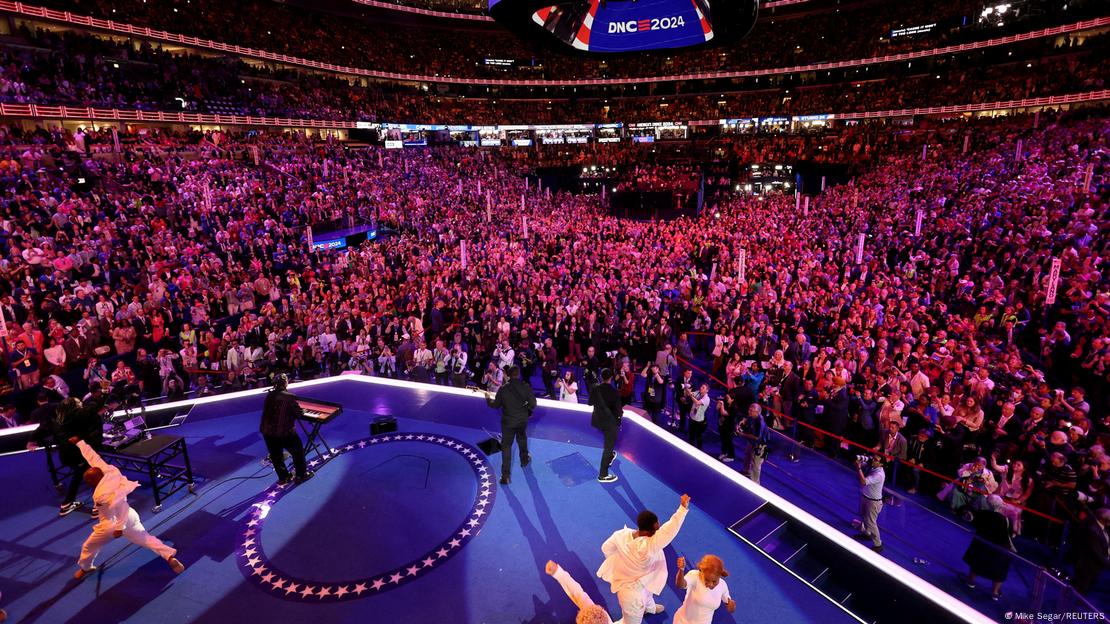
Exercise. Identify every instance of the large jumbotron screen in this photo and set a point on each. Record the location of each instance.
(613, 26)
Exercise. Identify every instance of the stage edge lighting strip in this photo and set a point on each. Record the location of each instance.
(895, 571)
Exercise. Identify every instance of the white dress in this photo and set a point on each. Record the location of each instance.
(700, 601)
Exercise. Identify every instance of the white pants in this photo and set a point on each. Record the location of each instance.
(134, 532)
(634, 601)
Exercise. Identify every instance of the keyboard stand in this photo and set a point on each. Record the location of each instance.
(314, 442)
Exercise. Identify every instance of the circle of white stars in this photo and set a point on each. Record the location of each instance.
(256, 566)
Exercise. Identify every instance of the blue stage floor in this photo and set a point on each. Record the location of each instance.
(422, 519)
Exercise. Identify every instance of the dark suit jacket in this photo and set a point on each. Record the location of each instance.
(1091, 547)
(516, 400)
(607, 407)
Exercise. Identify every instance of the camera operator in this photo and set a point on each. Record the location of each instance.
(460, 374)
(683, 386)
(871, 475)
(606, 418)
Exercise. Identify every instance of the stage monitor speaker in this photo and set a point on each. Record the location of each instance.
(383, 424)
(490, 446)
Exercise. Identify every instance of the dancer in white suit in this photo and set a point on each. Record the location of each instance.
(705, 591)
(634, 564)
(588, 611)
(117, 518)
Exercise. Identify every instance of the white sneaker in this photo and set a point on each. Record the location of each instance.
(607, 478)
(728, 460)
(656, 610)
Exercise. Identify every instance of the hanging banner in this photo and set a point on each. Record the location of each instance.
(967, 142)
(115, 140)
(822, 184)
(1087, 177)
(859, 248)
(742, 263)
(462, 254)
(1017, 151)
(522, 202)
(797, 201)
(524, 220)
(917, 225)
(924, 151)
(1053, 282)
(805, 208)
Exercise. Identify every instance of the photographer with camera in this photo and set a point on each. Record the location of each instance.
(872, 477)
(460, 374)
(758, 434)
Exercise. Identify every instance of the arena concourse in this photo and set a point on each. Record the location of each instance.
(280, 280)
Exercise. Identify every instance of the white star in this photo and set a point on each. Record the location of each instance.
(362, 444)
(361, 587)
(267, 577)
(454, 543)
(258, 571)
(473, 522)
(396, 578)
(348, 447)
(485, 492)
(252, 562)
(313, 462)
(408, 437)
(482, 470)
(249, 533)
(248, 553)
(308, 591)
(483, 502)
(327, 456)
(375, 441)
(479, 512)
(429, 562)
(442, 552)
(278, 584)
(292, 589)
(323, 593)
(339, 593)
(413, 570)
(420, 437)
(464, 533)
(378, 584)
(253, 523)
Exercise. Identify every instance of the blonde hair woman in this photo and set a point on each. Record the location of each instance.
(705, 590)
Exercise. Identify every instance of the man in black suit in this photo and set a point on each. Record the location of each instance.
(517, 401)
(280, 412)
(1092, 550)
(607, 419)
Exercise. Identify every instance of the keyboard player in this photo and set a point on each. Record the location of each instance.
(279, 429)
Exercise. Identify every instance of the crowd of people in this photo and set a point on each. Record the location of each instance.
(838, 31)
(79, 69)
(183, 267)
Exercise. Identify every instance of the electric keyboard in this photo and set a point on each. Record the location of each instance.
(316, 411)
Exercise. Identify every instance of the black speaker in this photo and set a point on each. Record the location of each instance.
(490, 446)
(383, 424)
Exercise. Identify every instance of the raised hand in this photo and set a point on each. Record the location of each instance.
(731, 605)
(685, 500)
(681, 563)
(551, 568)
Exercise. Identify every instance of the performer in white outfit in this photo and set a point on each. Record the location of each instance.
(634, 564)
(588, 611)
(705, 591)
(117, 518)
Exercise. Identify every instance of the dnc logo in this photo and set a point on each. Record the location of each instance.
(656, 23)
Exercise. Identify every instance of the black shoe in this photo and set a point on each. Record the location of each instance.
(607, 478)
(862, 536)
(68, 508)
(305, 477)
(878, 548)
(285, 480)
(505, 480)
(527, 460)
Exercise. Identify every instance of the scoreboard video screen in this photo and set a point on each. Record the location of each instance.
(621, 26)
